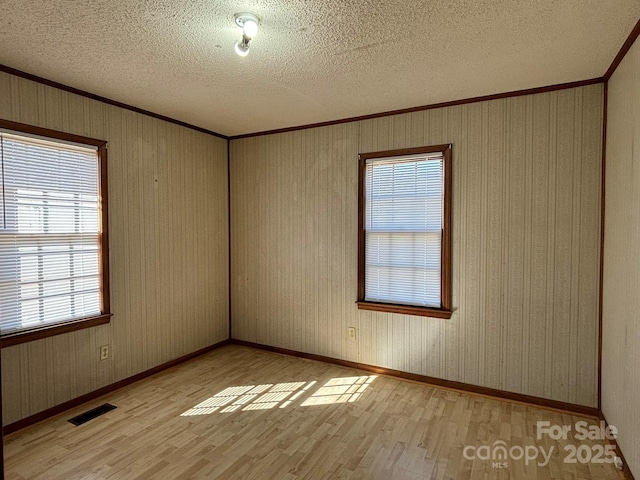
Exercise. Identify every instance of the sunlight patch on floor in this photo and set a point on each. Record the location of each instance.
(282, 395)
(340, 390)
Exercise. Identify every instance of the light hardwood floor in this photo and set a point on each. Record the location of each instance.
(247, 414)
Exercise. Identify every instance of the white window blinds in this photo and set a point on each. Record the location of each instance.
(49, 245)
(403, 229)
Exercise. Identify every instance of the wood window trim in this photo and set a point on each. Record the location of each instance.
(59, 328)
(445, 311)
(53, 329)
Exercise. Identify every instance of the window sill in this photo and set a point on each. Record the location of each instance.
(405, 309)
(52, 330)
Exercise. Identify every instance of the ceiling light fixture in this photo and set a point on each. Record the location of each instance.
(249, 23)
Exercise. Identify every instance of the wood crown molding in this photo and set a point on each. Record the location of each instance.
(108, 101)
(483, 98)
(626, 46)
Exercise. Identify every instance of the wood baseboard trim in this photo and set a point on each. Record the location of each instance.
(628, 475)
(50, 412)
(555, 405)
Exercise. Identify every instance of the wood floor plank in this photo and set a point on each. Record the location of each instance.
(240, 413)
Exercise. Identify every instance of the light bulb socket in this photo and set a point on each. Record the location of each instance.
(242, 47)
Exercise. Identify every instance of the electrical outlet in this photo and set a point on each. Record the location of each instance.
(352, 333)
(104, 352)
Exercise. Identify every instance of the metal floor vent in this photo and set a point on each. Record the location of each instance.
(91, 414)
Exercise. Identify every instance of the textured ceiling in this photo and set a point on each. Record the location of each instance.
(313, 60)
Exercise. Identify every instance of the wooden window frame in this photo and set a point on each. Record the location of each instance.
(58, 328)
(445, 309)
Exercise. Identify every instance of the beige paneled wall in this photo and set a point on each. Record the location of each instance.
(621, 295)
(526, 226)
(168, 221)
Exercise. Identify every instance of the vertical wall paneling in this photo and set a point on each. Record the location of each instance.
(621, 270)
(526, 219)
(1, 440)
(168, 224)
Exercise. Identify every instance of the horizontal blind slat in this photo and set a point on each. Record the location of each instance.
(49, 247)
(403, 224)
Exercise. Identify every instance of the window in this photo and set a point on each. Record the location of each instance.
(404, 243)
(53, 235)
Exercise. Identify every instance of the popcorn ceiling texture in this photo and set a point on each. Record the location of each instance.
(313, 60)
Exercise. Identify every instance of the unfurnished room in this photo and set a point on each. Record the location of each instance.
(321, 240)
